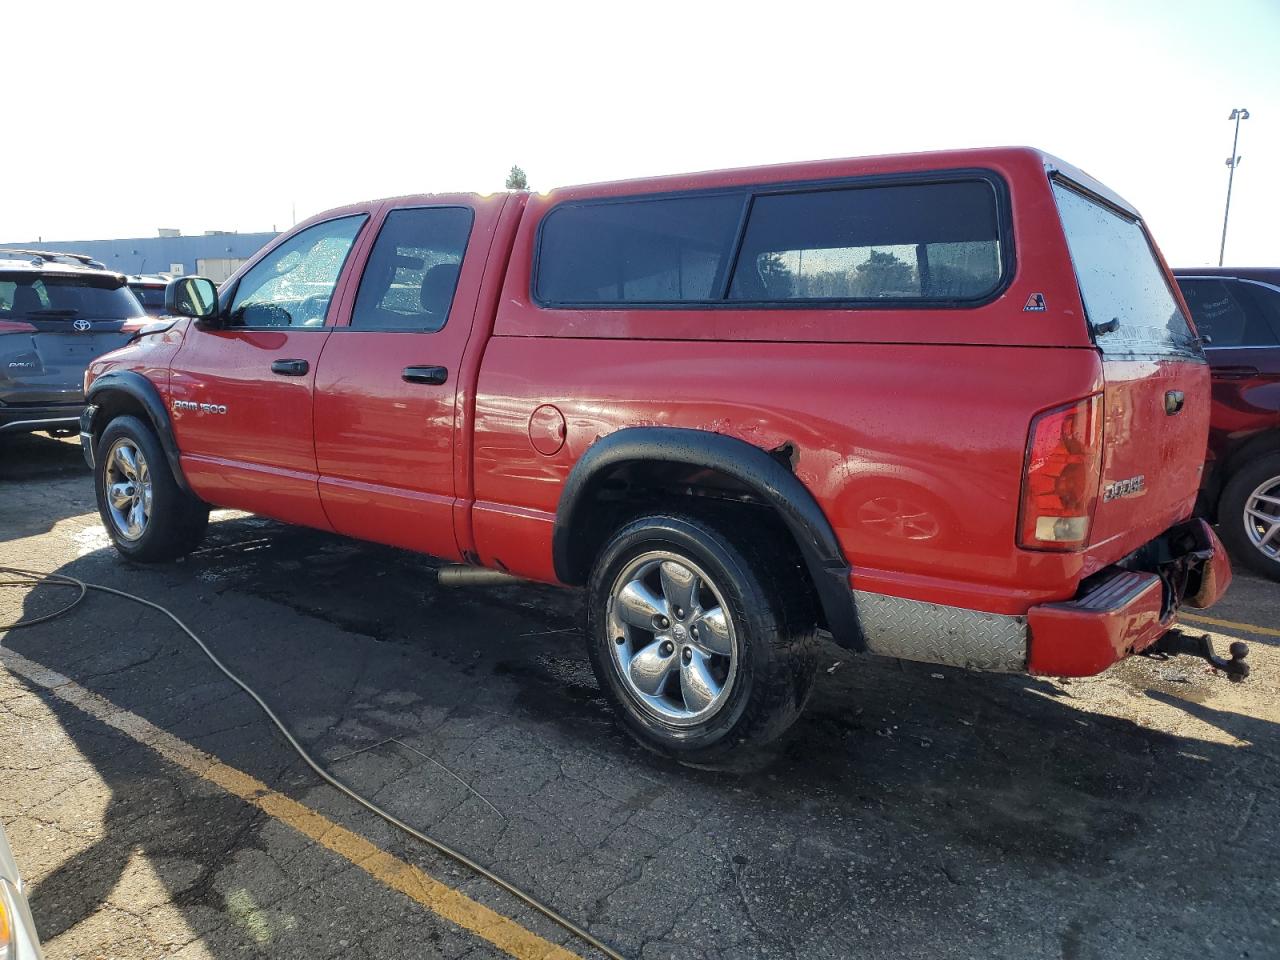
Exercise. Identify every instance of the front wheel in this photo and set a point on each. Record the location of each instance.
(703, 644)
(1249, 515)
(147, 515)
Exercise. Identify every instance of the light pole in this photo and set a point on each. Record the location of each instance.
(1233, 161)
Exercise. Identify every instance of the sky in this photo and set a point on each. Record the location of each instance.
(244, 116)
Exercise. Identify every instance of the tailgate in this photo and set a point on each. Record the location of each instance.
(47, 364)
(1156, 392)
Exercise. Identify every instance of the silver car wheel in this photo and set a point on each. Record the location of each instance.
(673, 640)
(1262, 518)
(126, 481)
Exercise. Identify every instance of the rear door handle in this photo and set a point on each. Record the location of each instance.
(1173, 401)
(425, 375)
(1233, 373)
(290, 368)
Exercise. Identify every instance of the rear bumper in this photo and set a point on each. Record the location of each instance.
(31, 419)
(1119, 611)
(1126, 609)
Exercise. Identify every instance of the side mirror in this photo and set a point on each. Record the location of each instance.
(191, 297)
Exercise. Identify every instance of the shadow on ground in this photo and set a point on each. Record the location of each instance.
(29, 464)
(913, 811)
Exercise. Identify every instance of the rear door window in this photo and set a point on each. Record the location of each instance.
(907, 242)
(1266, 299)
(1227, 313)
(650, 250)
(412, 271)
(1121, 280)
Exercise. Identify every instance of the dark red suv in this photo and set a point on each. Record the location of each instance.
(1237, 312)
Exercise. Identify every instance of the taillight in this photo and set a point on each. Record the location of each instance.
(1060, 476)
(8, 935)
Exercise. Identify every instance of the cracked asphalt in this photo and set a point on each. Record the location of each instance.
(914, 811)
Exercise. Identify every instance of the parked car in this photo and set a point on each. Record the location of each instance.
(1237, 311)
(872, 396)
(18, 940)
(149, 289)
(57, 312)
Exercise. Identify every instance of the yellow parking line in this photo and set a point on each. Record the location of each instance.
(440, 898)
(1214, 622)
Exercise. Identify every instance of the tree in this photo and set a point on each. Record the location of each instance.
(779, 282)
(516, 180)
(884, 273)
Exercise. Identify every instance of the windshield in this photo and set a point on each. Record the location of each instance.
(37, 297)
(1122, 282)
(152, 297)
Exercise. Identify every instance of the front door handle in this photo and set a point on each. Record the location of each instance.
(1173, 401)
(424, 375)
(290, 368)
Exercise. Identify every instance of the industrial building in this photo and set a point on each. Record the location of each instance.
(214, 254)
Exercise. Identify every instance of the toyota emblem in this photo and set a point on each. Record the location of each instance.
(82, 325)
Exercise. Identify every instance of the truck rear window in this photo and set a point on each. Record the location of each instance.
(1121, 279)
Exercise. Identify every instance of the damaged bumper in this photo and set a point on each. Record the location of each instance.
(1128, 607)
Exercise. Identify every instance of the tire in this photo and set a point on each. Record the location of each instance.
(755, 657)
(1242, 531)
(149, 525)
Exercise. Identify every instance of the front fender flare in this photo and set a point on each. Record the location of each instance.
(138, 388)
(772, 483)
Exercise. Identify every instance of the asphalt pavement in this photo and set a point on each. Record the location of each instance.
(914, 811)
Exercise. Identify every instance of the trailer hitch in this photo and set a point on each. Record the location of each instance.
(1177, 641)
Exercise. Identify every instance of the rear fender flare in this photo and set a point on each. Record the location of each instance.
(771, 482)
(138, 388)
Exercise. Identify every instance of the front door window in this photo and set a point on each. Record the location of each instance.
(293, 284)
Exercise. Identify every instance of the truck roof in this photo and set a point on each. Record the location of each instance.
(835, 169)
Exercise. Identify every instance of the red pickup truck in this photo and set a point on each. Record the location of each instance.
(948, 407)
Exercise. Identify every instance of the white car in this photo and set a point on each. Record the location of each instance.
(18, 940)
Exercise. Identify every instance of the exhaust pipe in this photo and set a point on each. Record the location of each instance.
(465, 575)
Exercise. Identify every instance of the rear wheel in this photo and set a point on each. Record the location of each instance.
(704, 645)
(147, 515)
(1249, 515)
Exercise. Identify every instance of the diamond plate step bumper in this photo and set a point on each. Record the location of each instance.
(936, 633)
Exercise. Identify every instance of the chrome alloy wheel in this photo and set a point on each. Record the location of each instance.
(126, 481)
(673, 640)
(1262, 518)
